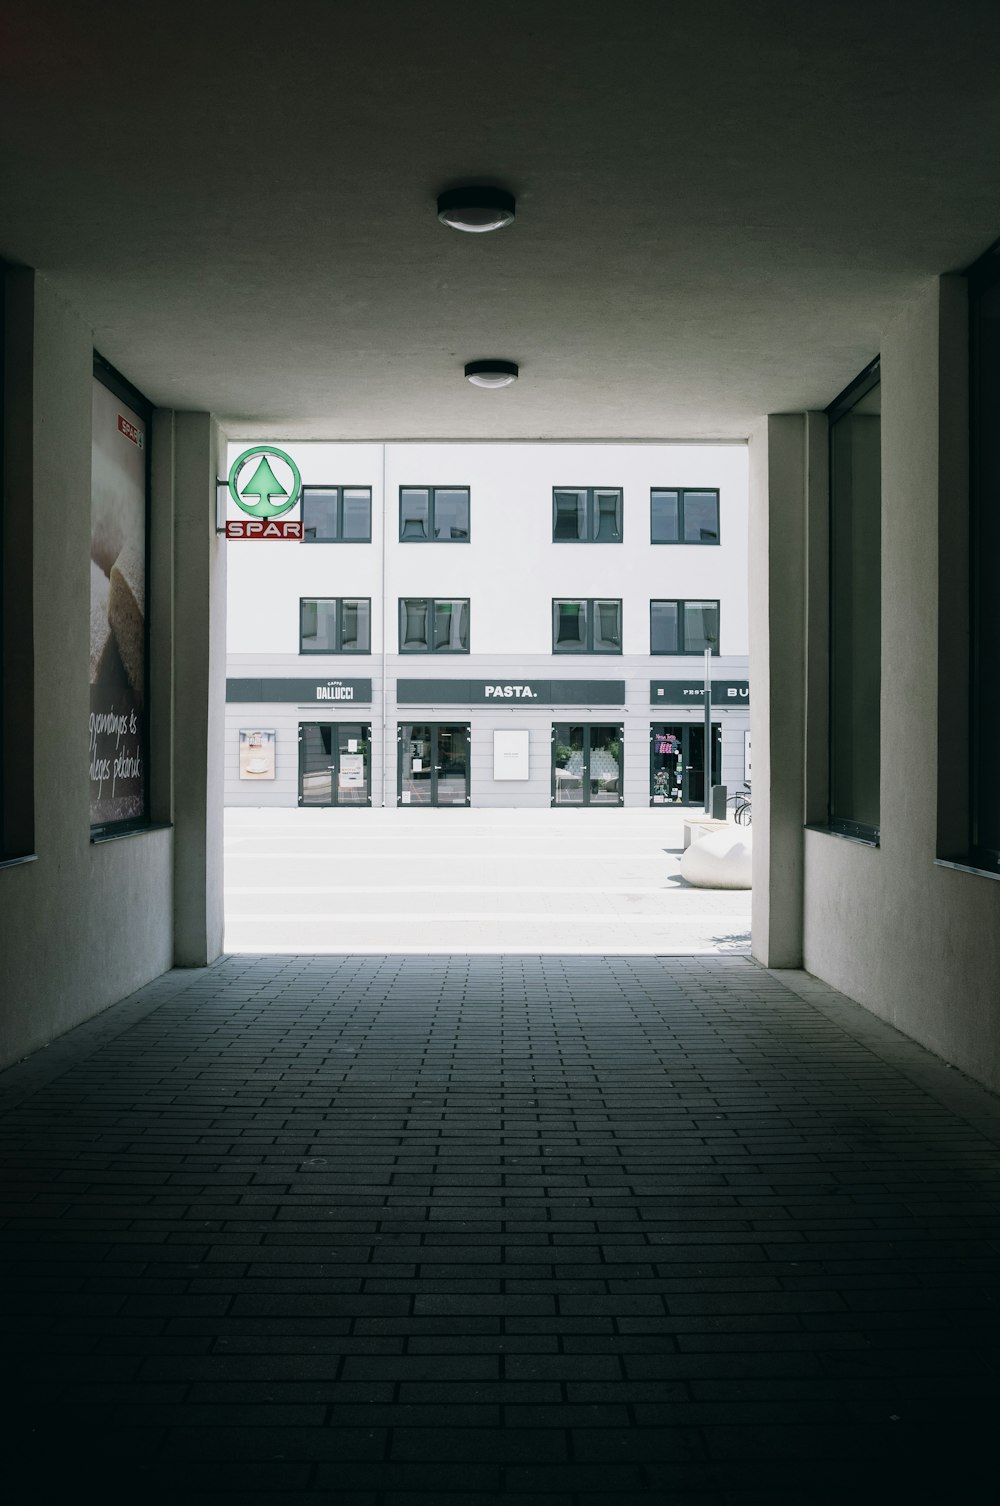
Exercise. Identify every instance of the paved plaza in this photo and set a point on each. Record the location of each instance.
(437, 1231)
(588, 882)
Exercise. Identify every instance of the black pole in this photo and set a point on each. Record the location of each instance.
(707, 758)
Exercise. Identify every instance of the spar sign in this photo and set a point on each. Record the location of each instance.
(265, 485)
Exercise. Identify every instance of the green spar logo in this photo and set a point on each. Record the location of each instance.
(264, 484)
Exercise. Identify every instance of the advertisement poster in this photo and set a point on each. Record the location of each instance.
(117, 612)
(256, 755)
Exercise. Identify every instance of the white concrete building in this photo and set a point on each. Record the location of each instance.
(492, 625)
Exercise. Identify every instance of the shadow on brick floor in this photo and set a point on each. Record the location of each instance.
(381, 1231)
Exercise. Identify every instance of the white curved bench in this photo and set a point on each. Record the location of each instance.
(721, 860)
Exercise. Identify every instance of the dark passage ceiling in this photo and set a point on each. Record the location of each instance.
(719, 205)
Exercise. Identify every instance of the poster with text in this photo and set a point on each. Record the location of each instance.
(117, 612)
(352, 771)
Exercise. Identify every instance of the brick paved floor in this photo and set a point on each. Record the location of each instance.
(381, 1231)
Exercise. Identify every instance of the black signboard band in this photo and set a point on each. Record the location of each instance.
(692, 692)
(331, 692)
(510, 692)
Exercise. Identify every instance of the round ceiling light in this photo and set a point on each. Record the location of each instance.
(491, 373)
(476, 208)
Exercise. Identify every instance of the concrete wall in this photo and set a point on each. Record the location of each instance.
(778, 469)
(916, 942)
(82, 925)
(199, 691)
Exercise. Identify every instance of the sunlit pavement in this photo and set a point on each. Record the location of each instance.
(410, 881)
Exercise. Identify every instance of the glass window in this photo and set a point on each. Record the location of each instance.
(568, 767)
(319, 514)
(855, 607)
(357, 513)
(451, 513)
(587, 627)
(437, 514)
(684, 515)
(334, 625)
(570, 627)
(414, 513)
(413, 635)
(570, 515)
(604, 766)
(701, 626)
(433, 764)
(683, 627)
(608, 517)
(701, 517)
(607, 627)
(587, 514)
(664, 517)
(586, 765)
(336, 514)
(317, 627)
(663, 619)
(677, 762)
(355, 626)
(984, 683)
(428, 625)
(334, 763)
(451, 626)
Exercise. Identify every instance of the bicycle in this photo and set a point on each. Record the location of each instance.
(740, 803)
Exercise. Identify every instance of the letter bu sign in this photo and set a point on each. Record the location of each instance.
(263, 528)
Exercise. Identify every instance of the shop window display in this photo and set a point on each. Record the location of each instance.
(677, 763)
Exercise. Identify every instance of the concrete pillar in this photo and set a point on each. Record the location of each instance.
(777, 675)
(199, 692)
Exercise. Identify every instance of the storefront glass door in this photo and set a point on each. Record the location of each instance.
(334, 763)
(586, 765)
(677, 762)
(433, 763)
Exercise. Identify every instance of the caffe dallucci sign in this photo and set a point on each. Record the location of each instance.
(301, 692)
(266, 488)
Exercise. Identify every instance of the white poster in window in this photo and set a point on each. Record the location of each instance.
(418, 766)
(256, 754)
(352, 745)
(510, 754)
(352, 771)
